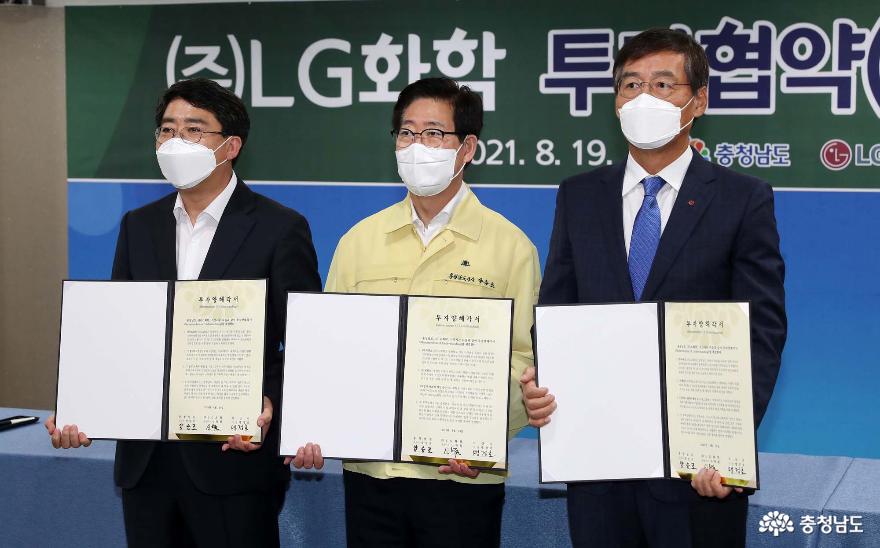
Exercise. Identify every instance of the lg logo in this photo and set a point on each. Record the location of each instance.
(836, 155)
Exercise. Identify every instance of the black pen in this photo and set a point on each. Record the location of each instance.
(13, 421)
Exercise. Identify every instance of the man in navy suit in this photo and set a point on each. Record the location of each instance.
(664, 225)
(213, 227)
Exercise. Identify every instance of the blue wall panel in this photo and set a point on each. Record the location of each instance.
(824, 402)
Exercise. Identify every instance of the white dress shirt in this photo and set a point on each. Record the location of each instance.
(194, 240)
(634, 192)
(439, 222)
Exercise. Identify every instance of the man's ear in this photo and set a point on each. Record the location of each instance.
(233, 147)
(469, 147)
(701, 101)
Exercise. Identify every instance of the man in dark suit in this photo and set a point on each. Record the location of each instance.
(213, 227)
(664, 225)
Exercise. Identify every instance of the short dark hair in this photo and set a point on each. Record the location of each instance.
(467, 105)
(211, 96)
(655, 40)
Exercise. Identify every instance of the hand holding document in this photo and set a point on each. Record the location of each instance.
(539, 402)
(264, 421)
(67, 436)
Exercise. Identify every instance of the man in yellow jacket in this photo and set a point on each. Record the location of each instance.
(440, 240)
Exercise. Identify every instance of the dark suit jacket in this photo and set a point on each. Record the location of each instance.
(256, 238)
(720, 243)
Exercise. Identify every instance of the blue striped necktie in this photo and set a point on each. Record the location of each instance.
(645, 236)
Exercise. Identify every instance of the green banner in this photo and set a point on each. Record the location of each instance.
(794, 89)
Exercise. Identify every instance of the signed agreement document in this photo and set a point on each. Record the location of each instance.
(159, 360)
(647, 390)
(398, 378)
(709, 391)
(216, 379)
(456, 381)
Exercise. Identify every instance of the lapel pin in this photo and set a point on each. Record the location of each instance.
(692, 203)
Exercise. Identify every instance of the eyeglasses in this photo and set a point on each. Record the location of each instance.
(661, 88)
(189, 134)
(431, 138)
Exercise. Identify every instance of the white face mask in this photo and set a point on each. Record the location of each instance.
(186, 164)
(427, 171)
(648, 122)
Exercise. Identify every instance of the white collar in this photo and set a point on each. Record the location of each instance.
(673, 174)
(216, 207)
(442, 218)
